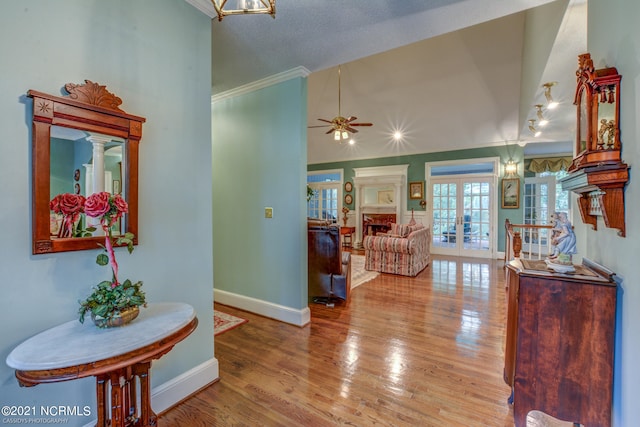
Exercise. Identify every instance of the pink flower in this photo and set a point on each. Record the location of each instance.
(97, 204)
(67, 204)
(54, 204)
(120, 204)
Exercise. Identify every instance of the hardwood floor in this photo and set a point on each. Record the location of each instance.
(423, 351)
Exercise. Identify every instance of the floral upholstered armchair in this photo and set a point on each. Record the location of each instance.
(404, 250)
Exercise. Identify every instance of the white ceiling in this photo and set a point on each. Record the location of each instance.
(451, 74)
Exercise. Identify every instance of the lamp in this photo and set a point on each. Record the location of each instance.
(245, 7)
(532, 128)
(510, 169)
(551, 104)
(542, 122)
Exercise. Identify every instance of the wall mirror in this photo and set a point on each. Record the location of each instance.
(82, 143)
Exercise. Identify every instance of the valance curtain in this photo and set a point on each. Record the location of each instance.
(549, 164)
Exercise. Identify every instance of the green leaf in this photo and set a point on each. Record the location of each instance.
(102, 259)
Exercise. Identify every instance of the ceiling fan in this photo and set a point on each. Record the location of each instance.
(341, 126)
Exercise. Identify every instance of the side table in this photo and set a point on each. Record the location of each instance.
(119, 358)
(347, 233)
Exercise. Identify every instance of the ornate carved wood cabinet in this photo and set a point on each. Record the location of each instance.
(598, 174)
(560, 340)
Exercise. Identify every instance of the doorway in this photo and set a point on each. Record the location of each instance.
(463, 208)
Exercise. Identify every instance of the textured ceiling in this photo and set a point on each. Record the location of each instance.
(451, 74)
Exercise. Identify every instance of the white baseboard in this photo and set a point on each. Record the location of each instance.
(499, 255)
(179, 388)
(264, 308)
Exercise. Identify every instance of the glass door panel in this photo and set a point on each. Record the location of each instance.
(324, 204)
(539, 204)
(461, 216)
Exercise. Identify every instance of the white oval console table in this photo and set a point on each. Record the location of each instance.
(119, 358)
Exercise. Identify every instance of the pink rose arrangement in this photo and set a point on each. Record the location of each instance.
(70, 206)
(110, 297)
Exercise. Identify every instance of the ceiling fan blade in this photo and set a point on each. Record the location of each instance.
(325, 120)
(351, 118)
(320, 126)
(350, 129)
(360, 124)
(329, 131)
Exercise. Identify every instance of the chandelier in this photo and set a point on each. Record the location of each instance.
(244, 7)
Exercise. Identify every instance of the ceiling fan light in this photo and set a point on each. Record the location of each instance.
(345, 135)
(336, 135)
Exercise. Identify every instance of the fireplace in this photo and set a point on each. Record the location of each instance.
(380, 197)
(373, 223)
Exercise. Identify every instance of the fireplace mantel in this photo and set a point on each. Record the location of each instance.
(389, 183)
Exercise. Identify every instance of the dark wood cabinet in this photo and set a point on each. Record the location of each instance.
(560, 341)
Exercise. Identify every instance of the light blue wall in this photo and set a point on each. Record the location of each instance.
(259, 160)
(62, 166)
(416, 172)
(156, 56)
(614, 40)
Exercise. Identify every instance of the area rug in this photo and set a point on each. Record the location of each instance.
(223, 322)
(358, 274)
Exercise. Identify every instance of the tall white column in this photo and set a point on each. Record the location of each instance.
(97, 182)
(98, 141)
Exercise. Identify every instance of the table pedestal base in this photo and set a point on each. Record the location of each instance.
(124, 410)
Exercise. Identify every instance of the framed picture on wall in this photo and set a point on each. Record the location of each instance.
(385, 197)
(416, 190)
(348, 186)
(511, 193)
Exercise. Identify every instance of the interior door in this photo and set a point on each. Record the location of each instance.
(462, 210)
(539, 204)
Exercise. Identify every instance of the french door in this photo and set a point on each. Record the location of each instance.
(462, 213)
(539, 205)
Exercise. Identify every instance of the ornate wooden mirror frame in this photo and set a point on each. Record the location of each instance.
(597, 172)
(88, 107)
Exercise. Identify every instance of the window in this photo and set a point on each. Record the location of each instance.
(543, 196)
(325, 201)
(563, 201)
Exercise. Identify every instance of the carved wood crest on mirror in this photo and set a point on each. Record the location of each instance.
(597, 173)
(83, 143)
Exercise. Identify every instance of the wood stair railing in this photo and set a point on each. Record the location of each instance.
(528, 241)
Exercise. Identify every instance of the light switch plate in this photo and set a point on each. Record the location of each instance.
(268, 212)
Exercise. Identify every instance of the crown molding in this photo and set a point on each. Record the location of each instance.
(204, 6)
(262, 83)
